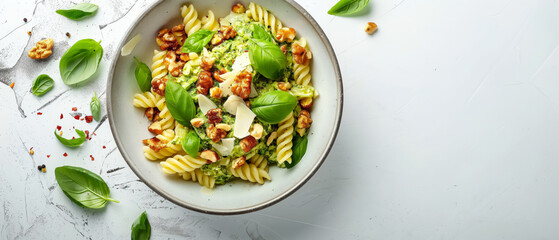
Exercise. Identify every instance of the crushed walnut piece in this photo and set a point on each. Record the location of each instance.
(174, 64)
(158, 85)
(300, 54)
(228, 32)
(209, 155)
(285, 34)
(42, 49)
(370, 28)
(241, 85)
(223, 126)
(257, 131)
(197, 122)
(152, 113)
(205, 82)
(207, 63)
(238, 162)
(284, 86)
(166, 40)
(238, 8)
(216, 92)
(248, 143)
(304, 120)
(155, 128)
(155, 143)
(218, 73)
(306, 102)
(215, 134)
(214, 116)
(179, 34)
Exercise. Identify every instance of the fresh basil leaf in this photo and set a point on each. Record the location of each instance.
(197, 41)
(141, 229)
(347, 7)
(95, 106)
(299, 150)
(76, 142)
(42, 84)
(259, 32)
(80, 62)
(179, 103)
(267, 58)
(143, 75)
(274, 106)
(78, 11)
(191, 144)
(83, 187)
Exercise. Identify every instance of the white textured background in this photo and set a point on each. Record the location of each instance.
(449, 130)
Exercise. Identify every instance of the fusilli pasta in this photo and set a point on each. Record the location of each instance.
(158, 69)
(171, 149)
(146, 100)
(200, 177)
(210, 22)
(251, 173)
(190, 19)
(262, 15)
(181, 163)
(302, 73)
(285, 139)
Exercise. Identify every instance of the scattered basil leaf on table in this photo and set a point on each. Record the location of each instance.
(272, 107)
(197, 41)
(191, 144)
(143, 75)
(78, 11)
(80, 62)
(299, 150)
(141, 229)
(347, 7)
(95, 106)
(267, 58)
(83, 187)
(179, 103)
(76, 142)
(42, 84)
(259, 32)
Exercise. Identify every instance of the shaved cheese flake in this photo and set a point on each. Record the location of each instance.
(241, 62)
(232, 103)
(243, 120)
(225, 86)
(226, 146)
(253, 92)
(205, 103)
(130, 45)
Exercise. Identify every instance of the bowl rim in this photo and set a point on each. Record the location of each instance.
(257, 206)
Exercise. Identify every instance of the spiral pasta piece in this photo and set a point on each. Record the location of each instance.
(181, 163)
(259, 161)
(262, 15)
(169, 150)
(285, 139)
(198, 176)
(167, 121)
(190, 19)
(251, 173)
(210, 21)
(302, 73)
(146, 100)
(158, 69)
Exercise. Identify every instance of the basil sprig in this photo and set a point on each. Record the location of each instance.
(143, 75)
(179, 103)
(95, 106)
(141, 229)
(42, 84)
(259, 32)
(197, 41)
(83, 187)
(76, 142)
(273, 106)
(191, 144)
(299, 150)
(80, 62)
(78, 11)
(347, 7)
(267, 58)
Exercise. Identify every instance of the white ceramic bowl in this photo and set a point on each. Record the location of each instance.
(129, 126)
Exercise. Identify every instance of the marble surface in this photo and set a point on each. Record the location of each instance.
(449, 130)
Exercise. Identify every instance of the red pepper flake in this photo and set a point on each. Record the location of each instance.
(48, 156)
(91, 156)
(74, 109)
(87, 134)
(81, 119)
(88, 119)
(61, 116)
(58, 128)
(77, 117)
(65, 154)
(39, 113)
(104, 147)
(73, 137)
(12, 85)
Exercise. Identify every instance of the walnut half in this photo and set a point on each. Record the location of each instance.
(300, 54)
(42, 49)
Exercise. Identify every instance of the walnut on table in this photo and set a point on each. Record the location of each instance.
(42, 49)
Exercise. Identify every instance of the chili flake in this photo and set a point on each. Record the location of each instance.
(48, 156)
(58, 127)
(65, 154)
(39, 113)
(88, 119)
(74, 109)
(91, 156)
(104, 147)
(77, 117)
(61, 116)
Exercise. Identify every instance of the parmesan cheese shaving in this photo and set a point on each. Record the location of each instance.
(243, 120)
(205, 103)
(130, 45)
